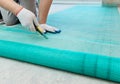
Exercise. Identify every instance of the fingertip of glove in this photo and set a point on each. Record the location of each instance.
(55, 32)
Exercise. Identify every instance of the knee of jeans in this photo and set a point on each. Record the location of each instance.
(10, 22)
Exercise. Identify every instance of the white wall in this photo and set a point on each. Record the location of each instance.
(76, 1)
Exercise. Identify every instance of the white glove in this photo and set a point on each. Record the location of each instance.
(27, 19)
(50, 29)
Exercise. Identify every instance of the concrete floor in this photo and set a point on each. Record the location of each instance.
(15, 72)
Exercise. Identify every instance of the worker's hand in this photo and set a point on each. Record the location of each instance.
(50, 29)
(28, 19)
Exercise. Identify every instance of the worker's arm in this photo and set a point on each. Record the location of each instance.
(26, 17)
(10, 5)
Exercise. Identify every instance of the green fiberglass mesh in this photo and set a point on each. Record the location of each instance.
(89, 43)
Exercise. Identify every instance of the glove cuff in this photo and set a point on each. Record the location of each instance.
(19, 11)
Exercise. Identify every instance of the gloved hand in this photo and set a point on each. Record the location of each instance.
(27, 19)
(50, 29)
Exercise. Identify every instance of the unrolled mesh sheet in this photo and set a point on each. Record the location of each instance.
(89, 43)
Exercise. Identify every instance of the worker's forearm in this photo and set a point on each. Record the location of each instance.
(10, 5)
(43, 10)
